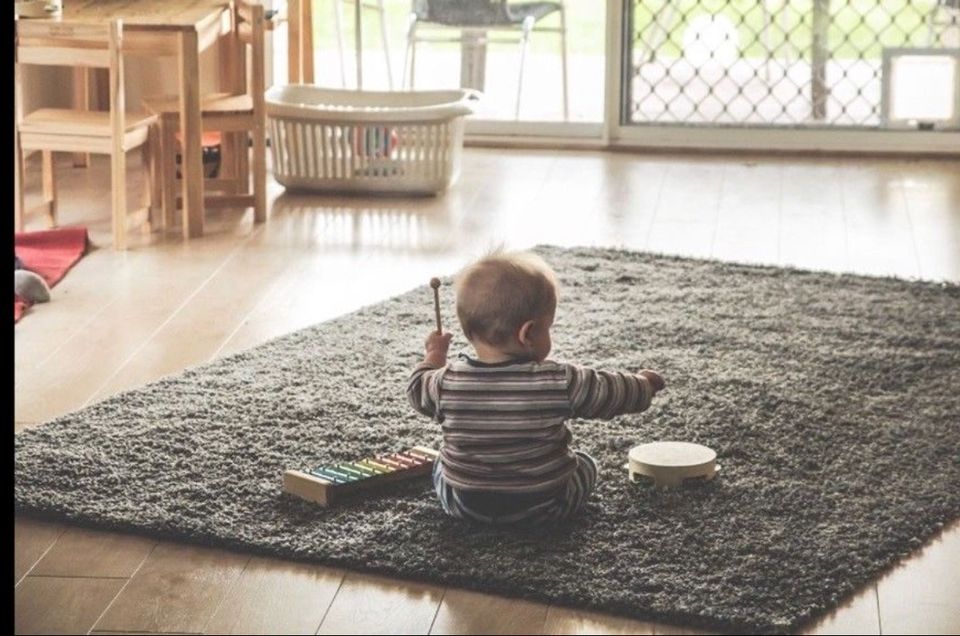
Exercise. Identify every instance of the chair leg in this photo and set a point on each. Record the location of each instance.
(149, 181)
(118, 188)
(386, 43)
(18, 184)
(409, 55)
(413, 60)
(242, 146)
(168, 172)
(524, 38)
(259, 174)
(156, 180)
(338, 22)
(563, 62)
(230, 145)
(49, 188)
(358, 42)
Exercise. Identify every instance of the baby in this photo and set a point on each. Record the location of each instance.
(506, 456)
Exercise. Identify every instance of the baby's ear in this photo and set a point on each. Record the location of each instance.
(524, 334)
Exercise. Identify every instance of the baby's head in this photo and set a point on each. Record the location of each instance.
(506, 302)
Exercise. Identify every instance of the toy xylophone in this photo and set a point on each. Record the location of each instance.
(326, 485)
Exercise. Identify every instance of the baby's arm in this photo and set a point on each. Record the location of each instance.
(606, 394)
(423, 389)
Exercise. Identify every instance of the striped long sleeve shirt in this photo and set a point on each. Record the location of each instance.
(504, 425)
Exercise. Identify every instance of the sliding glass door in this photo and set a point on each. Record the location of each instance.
(773, 62)
(808, 73)
(793, 74)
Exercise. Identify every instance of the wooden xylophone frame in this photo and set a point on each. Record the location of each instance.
(326, 485)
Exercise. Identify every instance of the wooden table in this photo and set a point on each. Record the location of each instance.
(169, 28)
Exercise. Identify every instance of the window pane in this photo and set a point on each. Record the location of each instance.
(492, 66)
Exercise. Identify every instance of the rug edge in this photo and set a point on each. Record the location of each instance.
(793, 269)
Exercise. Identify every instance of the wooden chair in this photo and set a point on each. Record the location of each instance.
(235, 114)
(478, 17)
(50, 130)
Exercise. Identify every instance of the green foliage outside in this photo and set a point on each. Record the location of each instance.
(857, 28)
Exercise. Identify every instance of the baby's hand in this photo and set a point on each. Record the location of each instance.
(654, 379)
(436, 347)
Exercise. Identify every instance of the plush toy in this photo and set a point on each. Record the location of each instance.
(30, 286)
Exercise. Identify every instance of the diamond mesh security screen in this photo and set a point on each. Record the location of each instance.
(773, 62)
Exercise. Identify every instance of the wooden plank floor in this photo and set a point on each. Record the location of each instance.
(119, 320)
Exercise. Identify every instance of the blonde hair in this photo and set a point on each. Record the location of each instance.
(500, 292)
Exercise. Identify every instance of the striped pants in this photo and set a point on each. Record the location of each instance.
(568, 502)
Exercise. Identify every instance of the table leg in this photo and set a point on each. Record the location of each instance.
(819, 57)
(232, 81)
(191, 163)
(168, 169)
(473, 59)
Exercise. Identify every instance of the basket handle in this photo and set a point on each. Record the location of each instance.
(471, 98)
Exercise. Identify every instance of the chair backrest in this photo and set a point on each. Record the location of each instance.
(461, 12)
(250, 26)
(60, 43)
(63, 43)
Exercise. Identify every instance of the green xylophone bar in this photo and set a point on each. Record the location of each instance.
(328, 484)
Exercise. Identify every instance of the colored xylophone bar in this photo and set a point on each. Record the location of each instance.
(326, 485)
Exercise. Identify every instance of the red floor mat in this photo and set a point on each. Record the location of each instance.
(50, 254)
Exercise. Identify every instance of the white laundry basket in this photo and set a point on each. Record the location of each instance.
(365, 141)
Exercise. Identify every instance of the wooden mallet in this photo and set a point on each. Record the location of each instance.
(435, 283)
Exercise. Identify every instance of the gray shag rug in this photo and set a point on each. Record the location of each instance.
(831, 400)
